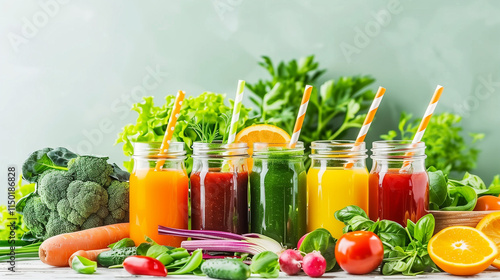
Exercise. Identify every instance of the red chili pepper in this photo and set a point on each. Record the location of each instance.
(142, 265)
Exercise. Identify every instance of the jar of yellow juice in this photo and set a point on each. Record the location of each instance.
(337, 178)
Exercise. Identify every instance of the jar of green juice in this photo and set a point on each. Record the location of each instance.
(278, 192)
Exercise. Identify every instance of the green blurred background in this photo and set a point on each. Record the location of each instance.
(70, 70)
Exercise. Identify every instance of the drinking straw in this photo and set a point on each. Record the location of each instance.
(301, 116)
(174, 115)
(368, 121)
(238, 100)
(425, 121)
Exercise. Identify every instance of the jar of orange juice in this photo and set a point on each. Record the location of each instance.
(159, 188)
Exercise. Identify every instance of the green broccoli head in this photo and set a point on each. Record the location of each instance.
(86, 197)
(52, 187)
(58, 225)
(118, 200)
(36, 215)
(89, 168)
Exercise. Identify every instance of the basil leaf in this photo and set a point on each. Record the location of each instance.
(424, 229)
(392, 233)
(266, 264)
(125, 242)
(347, 213)
(360, 223)
(410, 225)
(143, 248)
(321, 240)
(83, 265)
(156, 250)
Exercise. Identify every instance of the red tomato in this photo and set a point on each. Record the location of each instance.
(487, 202)
(359, 252)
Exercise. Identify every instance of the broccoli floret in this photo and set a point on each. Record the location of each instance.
(36, 215)
(118, 200)
(52, 187)
(94, 169)
(86, 197)
(93, 221)
(65, 211)
(58, 225)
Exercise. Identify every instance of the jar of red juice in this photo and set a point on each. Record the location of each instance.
(399, 186)
(219, 187)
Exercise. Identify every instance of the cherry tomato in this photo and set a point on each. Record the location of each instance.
(487, 202)
(359, 252)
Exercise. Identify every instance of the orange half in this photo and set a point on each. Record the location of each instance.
(263, 133)
(490, 225)
(461, 250)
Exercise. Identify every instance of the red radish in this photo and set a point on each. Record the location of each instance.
(290, 261)
(300, 240)
(314, 264)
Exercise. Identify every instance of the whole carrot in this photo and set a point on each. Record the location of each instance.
(90, 254)
(57, 249)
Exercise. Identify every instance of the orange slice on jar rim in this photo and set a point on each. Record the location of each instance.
(261, 133)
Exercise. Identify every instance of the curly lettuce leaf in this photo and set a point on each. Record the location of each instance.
(152, 121)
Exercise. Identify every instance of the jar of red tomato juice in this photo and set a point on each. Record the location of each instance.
(219, 187)
(399, 186)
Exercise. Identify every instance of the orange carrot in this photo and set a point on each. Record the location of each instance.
(89, 255)
(57, 249)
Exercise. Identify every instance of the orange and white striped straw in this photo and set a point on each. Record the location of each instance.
(171, 126)
(425, 120)
(368, 121)
(301, 116)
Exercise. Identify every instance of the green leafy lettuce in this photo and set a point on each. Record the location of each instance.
(208, 109)
(446, 148)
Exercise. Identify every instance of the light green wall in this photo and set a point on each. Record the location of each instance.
(74, 72)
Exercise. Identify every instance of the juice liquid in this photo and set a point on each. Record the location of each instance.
(278, 199)
(158, 198)
(398, 196)
(331, 189)
(219, 201)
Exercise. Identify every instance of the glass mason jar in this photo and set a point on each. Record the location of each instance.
(219, 187)
(278, 192)
(399, 186)
(337, 178)
(158, 196)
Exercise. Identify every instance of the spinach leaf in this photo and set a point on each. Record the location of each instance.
(83, 265)
(462, 198)
(266, 264)
(321, 240)
(438, 190)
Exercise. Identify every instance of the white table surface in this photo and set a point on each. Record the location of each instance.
(38, 270)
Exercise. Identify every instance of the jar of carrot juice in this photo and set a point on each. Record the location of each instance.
(399, 186)
(159, 188)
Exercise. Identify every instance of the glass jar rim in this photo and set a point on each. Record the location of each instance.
(152, 150)
(338, 149)
(278, 150)
(218, 148)
(398, 150)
